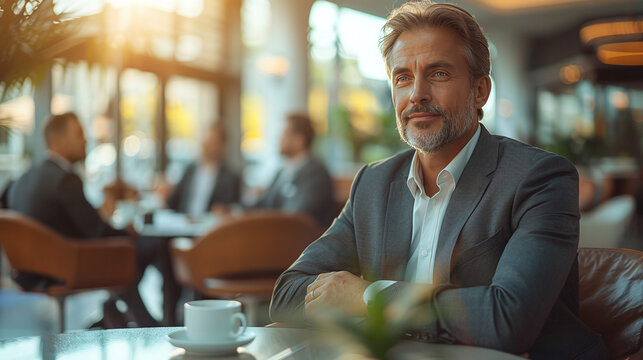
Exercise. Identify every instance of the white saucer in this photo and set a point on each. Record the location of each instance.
(200, 347)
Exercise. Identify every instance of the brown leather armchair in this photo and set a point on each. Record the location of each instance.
(243, 256)
(611, 298)
(77, 265)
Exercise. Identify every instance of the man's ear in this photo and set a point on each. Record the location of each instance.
(481, 89)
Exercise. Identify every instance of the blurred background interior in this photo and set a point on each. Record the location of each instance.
(148, 77)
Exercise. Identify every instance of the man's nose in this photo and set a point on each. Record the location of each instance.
(421, 91)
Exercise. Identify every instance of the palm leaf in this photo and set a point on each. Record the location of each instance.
(32, 36)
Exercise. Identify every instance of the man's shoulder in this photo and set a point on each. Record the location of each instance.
(315, 165)
(522, 155)
(40, 181)
(44, 170)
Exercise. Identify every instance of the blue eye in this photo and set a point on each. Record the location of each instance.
(440, 74)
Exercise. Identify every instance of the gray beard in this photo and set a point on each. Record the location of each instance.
(454, 126)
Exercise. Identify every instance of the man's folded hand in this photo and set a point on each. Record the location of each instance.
(337, 291)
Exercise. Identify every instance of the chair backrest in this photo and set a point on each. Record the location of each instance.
(611, 296)
(605, 225)
(261, 244)
(80, 265)
(32, 247)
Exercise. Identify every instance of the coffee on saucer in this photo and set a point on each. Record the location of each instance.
(214, 320)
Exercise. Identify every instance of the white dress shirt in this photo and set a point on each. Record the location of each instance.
(203, 183)
(428, 214)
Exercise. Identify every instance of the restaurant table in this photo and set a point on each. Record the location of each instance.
(169, 224)
(152, 343)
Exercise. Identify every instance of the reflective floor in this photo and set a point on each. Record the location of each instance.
(25, 314)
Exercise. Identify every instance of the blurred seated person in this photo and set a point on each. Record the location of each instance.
(52, 194)
(208, 182)
(303, 184)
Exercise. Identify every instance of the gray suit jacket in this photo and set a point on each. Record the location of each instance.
(505, 269)
(310, 192)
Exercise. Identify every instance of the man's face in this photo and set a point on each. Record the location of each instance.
(290, 142)
(73, 142)
(431, 88)
(213, 146)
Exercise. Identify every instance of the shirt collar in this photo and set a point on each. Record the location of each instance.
(291, 166)
(208, 167)
(297, 161)
(415, 180)
(61, 161)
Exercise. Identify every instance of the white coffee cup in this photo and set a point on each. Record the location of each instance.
(214, 320)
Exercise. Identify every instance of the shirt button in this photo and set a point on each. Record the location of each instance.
(425, 253)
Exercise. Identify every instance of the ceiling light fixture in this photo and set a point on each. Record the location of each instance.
(623, 53)
(617, 41)
(605, 30)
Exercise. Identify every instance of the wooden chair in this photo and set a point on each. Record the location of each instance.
(611, 298)
(243, 256)
(79, 265)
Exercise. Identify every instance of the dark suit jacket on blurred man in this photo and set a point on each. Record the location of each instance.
(52, 194)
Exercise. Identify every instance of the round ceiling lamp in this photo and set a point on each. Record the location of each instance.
(623, 53)
(617, 41)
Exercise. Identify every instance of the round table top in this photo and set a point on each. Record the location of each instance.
(152, 343)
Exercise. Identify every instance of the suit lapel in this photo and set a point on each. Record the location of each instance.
(188, 189)
(468, 192)
(220, 186)
(398, 228)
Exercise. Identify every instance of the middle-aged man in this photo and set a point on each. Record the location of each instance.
(484, 227)
(52, 194)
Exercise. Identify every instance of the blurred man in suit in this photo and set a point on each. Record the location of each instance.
(303, 184)
(208, 182)
(52, 194)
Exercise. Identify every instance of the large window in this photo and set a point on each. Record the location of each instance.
(587, 122)
(191, 107)
(349, 96)
(139, 108)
